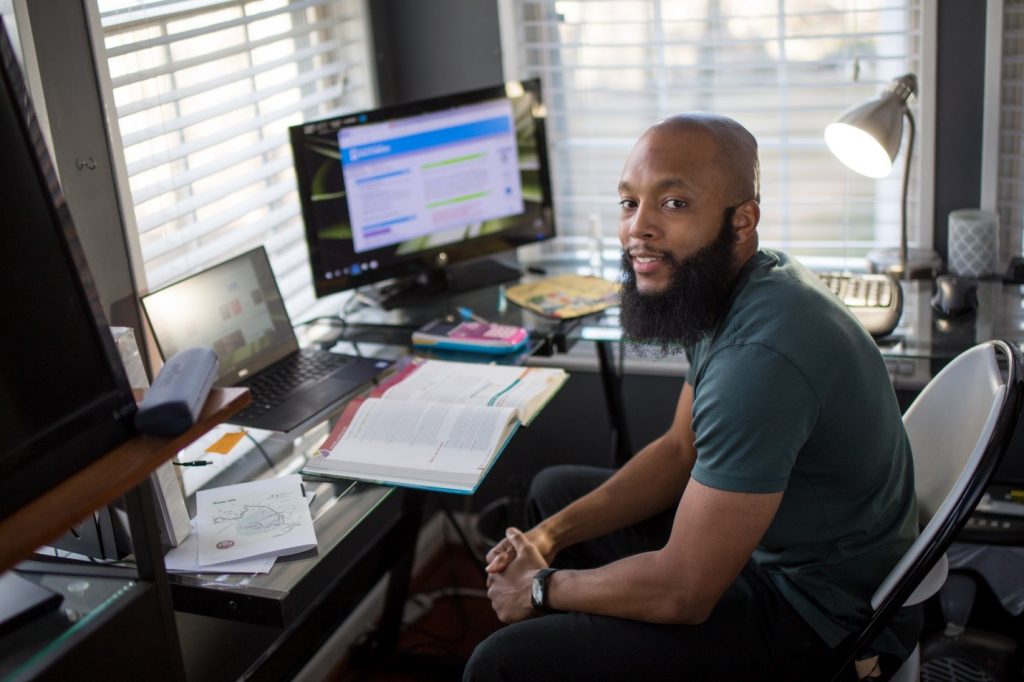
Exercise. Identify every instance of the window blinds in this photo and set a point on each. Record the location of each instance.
(204, 92)
(611, 68)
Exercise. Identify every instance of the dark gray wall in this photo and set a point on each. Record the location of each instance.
(959, 111)
(434, 48)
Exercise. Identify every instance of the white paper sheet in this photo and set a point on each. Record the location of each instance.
(185, 557)
(255, 519)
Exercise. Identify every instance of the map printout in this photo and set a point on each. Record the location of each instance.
(255, 519)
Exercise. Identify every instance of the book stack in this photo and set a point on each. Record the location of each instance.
(244, 528)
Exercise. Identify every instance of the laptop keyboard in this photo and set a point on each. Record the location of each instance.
(272, 386)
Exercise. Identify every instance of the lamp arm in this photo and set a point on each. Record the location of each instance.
(903, 198)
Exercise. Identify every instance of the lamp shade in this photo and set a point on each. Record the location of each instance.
(866, 137)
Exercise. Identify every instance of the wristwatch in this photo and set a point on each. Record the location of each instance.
(539, 590)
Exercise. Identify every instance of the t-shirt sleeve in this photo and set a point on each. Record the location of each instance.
(693, 360)
(753, 411)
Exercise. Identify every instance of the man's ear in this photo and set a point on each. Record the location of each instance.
(745, 219)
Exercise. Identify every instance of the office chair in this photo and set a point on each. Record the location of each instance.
(959, 427)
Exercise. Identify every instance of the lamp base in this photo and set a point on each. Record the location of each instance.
(921, 263)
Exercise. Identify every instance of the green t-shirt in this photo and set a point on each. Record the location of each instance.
(791, 394)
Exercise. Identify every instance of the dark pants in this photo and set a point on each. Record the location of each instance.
(752, 634)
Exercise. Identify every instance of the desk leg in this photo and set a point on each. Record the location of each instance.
(612, 383)
(401, 573)
(149, 559)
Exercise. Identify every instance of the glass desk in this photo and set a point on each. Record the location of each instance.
(921, 334)
(86, 599)
(363, 530)
(341, 514)
(266, 626)
(229, 626)
(373, 325)
(922, 343)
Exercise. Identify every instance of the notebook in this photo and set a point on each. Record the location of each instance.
(236, 308)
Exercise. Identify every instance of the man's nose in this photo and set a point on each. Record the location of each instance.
(644, 224)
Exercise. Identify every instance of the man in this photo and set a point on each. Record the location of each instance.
(746, 541)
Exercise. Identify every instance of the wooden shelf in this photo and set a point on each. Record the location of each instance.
(106, 479)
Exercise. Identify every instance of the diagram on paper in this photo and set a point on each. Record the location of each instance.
(257, 520)
(273, 520)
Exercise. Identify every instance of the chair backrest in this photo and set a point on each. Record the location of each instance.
(959, 427)
(950, 421)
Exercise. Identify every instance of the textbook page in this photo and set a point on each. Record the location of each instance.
(476, 384)
(450, 446)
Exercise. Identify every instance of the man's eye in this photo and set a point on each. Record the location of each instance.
(626, 204)
(675, 203)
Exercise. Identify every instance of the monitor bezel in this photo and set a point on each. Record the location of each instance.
(444, 256)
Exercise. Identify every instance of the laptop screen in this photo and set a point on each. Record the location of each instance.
(234, 307)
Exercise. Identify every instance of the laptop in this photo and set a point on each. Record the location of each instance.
(236, 309)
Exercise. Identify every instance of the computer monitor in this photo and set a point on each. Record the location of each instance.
(64, 395)
(409, 192)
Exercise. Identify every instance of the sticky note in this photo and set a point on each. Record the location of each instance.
(226, 442)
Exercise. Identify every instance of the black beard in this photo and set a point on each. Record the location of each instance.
(692, 303)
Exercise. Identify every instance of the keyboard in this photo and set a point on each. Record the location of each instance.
(272, 386)
(875, 300)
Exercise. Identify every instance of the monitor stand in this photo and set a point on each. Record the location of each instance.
(435, 283)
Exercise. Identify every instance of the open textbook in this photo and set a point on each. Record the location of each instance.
(437, 425)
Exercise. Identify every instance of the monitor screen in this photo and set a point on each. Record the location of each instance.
(64, 396)
(414, 188)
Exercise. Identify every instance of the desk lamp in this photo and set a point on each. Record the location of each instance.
(866, 138)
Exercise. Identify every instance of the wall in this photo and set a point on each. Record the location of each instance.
(959, 111)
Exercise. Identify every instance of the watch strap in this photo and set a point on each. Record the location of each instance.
(539, 595)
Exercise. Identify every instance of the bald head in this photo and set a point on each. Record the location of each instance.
(736, 150)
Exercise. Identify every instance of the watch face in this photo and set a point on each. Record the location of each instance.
(537, 593)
